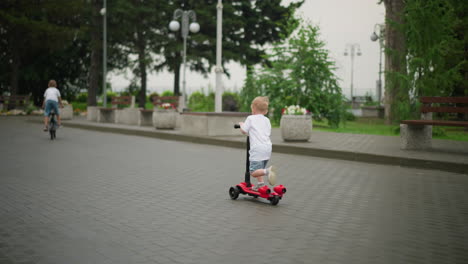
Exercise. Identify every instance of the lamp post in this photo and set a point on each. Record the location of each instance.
(104, 53)
(194, 27)
(219, 68)
(380, 37)
(352, 49)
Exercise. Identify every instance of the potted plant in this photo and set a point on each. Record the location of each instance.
(164, 116)
(296, 123)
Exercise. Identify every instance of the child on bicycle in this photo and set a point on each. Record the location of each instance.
(258, 128)
(52, 100)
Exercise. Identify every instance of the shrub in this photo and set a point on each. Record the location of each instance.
(82, 97)
(110, 95)
(300, 72)
(30, 108)
(198, 102)
(230, 102)
(167, 93)
(350, 116)
(151, 95)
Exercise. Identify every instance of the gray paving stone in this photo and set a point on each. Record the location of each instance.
(93, 197)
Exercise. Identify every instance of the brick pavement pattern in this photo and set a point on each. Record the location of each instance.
(92, 197)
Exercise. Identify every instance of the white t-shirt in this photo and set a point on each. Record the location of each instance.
(52, 93)
(258, 128)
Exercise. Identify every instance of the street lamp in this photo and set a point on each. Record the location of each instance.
(219, 68)
(104, 53)
(194, 27)
(352, 49)
(380, 37)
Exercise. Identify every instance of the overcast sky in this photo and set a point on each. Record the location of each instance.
(341, 22)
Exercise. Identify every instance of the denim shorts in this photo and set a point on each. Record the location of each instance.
(51, 105)
(256, 165)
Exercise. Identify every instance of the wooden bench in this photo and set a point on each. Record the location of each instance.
(417, 134)
(14, 101)
(110, 115)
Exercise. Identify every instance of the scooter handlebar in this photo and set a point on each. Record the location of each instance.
(236, 126)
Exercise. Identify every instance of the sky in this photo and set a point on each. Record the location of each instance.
(341, 22)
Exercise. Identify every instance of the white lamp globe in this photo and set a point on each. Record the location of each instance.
(103, 11)
(194, 27)
(374, 37)
(174, 25)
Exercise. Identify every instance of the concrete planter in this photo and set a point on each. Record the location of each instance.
(211, 123)
(127, 116)
(66, 113)
(165, 118)
(296, 127)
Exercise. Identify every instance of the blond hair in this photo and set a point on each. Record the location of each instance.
(260, 103)
(52, 83)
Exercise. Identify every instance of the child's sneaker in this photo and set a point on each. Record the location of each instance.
(46, 129)
(271, 173)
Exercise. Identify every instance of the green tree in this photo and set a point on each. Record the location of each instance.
(37, 39)
(426, 53)
(139, 32)
(300, 73)
(395, 59)
(247, 27)
(96, 51)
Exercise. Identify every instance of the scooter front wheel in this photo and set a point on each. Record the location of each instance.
(234, 192)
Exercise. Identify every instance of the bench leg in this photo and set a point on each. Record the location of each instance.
(145, 119)
(415, 137)
(106, 117)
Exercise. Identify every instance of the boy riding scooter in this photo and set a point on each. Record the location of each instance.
(258, 129)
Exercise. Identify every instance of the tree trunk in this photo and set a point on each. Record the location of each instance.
(96, 53)
(177, 79)
(395, 55)
(142, 65)
(15, 64)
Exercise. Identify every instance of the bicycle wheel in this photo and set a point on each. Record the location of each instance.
(52, 127)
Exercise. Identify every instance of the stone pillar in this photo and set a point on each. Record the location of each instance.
(92, 113)
(415, 137)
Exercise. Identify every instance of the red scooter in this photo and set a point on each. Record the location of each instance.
(246, 187)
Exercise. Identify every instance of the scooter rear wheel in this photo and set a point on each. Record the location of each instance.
(274, 200)
(234, 193)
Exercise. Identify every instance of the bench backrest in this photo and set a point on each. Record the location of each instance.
(14, 100)
(157, 100)
(122, 100)
(444, 104)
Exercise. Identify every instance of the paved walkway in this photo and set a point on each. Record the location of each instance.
(111, 198)
(446, 155)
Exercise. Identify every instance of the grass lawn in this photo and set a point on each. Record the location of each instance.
(375, 126)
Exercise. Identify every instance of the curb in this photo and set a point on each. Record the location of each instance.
(286, 149)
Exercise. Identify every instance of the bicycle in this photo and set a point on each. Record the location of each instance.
(53, 125)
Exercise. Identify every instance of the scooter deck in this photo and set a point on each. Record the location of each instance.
(263, 192)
